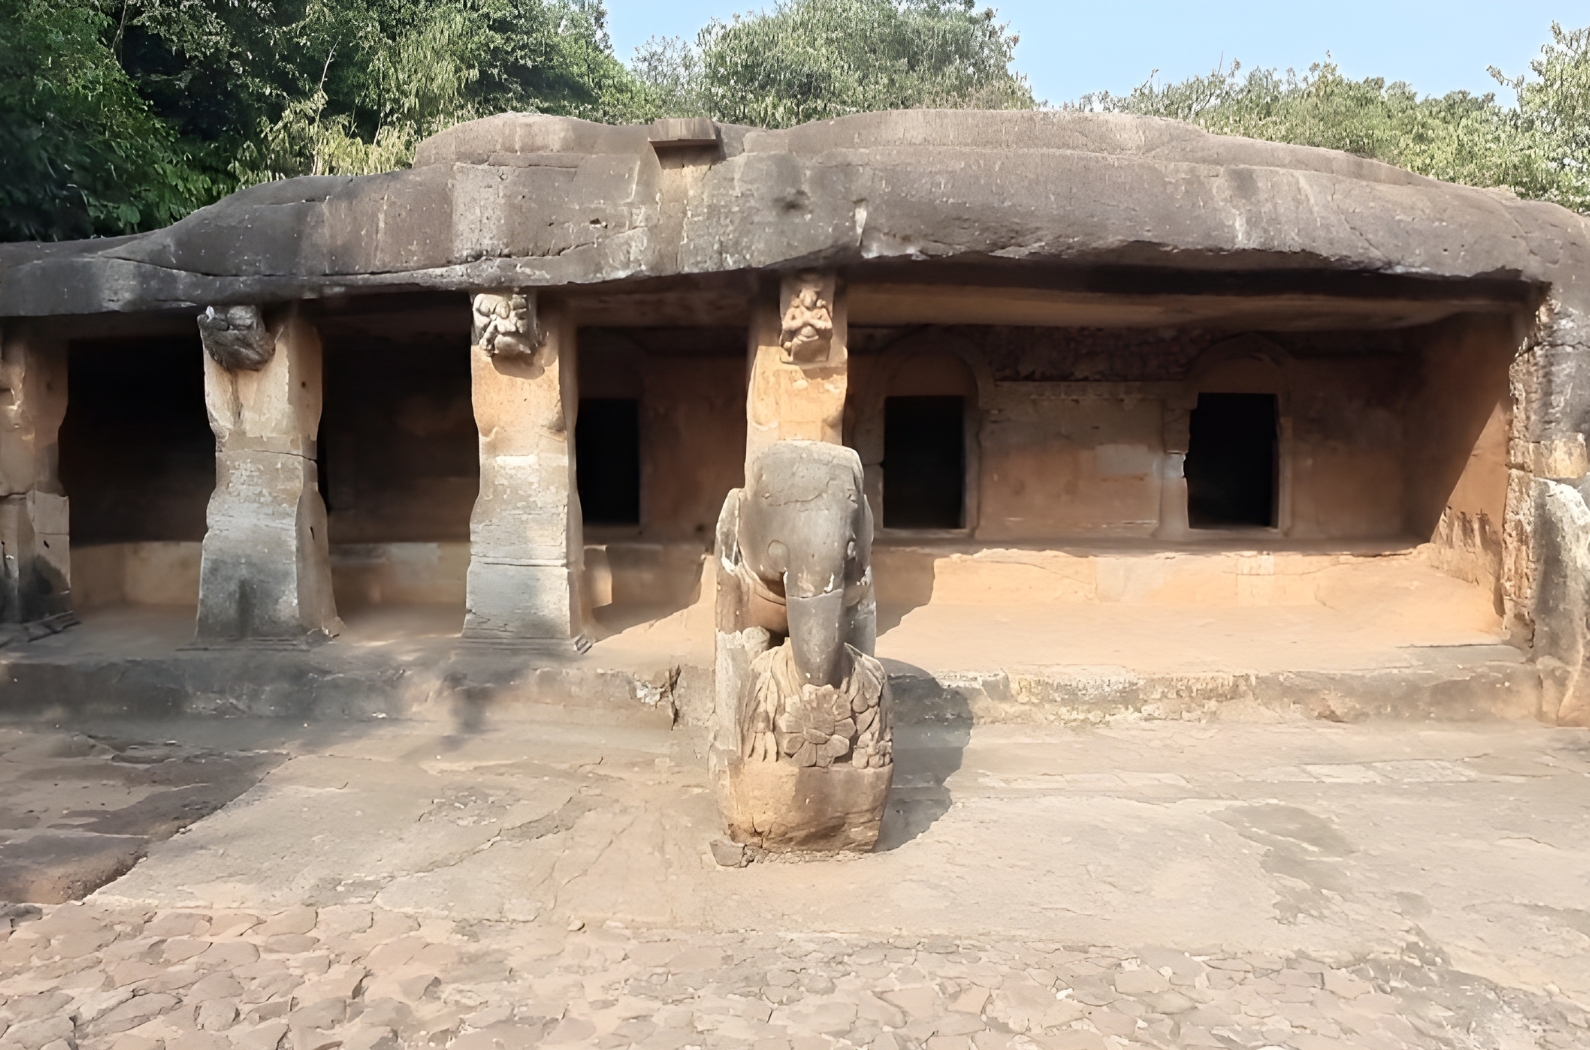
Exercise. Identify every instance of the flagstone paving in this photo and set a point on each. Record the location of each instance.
(1308, 887)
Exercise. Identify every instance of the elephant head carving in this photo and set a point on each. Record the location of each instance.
(804, 726)
(802, 536)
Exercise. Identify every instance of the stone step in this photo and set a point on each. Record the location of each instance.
(471, 685)
(1457, 683)
(464, 687)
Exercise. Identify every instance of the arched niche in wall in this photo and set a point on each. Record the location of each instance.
(1233, 425)
(914, 418)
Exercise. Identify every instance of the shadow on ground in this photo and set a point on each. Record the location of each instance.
(930, 738)
(80, 810)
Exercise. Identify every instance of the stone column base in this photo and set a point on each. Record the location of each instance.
(526, 604)
(265, 572)
(37, 548)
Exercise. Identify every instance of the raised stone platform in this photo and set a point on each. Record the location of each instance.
(393, 663)
(1365, 636)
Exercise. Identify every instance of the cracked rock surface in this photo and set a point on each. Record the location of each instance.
(1306, 886)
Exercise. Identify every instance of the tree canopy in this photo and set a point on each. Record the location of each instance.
(81, 151)
(120, 115)
(124, 115)
(816, 59)
(1541, 149)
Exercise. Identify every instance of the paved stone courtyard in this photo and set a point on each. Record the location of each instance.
(1306, 886)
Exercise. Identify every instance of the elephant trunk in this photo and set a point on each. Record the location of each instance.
(816, 631)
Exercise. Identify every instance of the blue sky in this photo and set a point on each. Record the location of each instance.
(1069, 49)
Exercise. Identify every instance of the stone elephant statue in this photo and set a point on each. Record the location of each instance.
(802, 742)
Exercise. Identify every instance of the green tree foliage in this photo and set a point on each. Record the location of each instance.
(80, 151)
(292, 87)
(120, 115)
(1539, 150)
(1554, 107)
(815, 59)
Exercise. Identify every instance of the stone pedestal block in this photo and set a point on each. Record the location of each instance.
(265, 572)
(779, 806)
(526, 542)
(34, 536)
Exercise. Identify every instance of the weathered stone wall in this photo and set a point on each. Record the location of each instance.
(1070, 425)
(1068, 460)
(398, 444)
(362, 574)
(1458, 418)
(36, 573)
(1346, 446)
(1546, 554)
(137, 451)
(691, 384)
(141, 573)
(400, 573)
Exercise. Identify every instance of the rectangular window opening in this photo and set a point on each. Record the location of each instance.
(1232, 461)
(607, 460)
(924, 462)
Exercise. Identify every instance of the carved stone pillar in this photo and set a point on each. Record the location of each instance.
(33, 509)
(265, 574)
(802, 749)
(1173, 470)
(1546, 534)
(525, 540)
(799, 365)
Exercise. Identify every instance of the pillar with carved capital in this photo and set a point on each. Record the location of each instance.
(526, 544)
(799, 365)
(265, 573)
(802, 749)
(33, 510)
(1177, 429)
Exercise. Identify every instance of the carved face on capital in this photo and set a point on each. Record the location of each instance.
(808, 328)
(236, 338)
(505, 324)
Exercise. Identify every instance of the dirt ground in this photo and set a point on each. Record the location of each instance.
(1305, 885)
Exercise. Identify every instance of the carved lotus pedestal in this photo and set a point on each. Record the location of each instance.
(813, 764)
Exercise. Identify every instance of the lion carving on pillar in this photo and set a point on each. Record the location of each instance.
(802, 748)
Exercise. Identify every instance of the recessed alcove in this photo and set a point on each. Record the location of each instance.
(924, 462)
(137, 462)
(1232, 461)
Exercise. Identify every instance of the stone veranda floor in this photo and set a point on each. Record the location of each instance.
(1298, 885)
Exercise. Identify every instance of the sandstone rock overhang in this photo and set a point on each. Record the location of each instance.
(530, 200)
